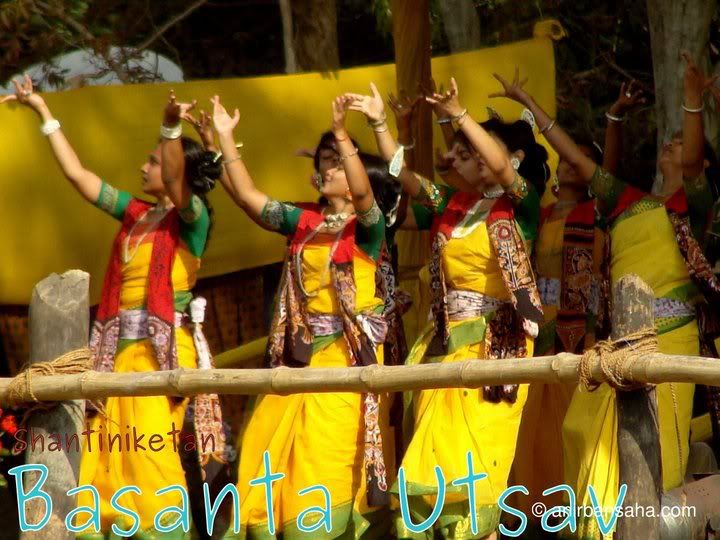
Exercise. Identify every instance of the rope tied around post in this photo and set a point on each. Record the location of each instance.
(20, 389)
(615, 358)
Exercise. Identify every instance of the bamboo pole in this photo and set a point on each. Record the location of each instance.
(652, 368)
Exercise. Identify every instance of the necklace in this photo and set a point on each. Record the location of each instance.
(150, 219)
(494, 192)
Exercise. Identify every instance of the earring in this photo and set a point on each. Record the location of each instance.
(515, 162)
(555, 185)
(348, 194)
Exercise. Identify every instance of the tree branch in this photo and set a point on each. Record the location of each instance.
(170, 23)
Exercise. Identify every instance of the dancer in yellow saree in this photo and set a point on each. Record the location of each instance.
(651, 237)
(572, 262)
(327, 314)
(141, 323)
(485, 305)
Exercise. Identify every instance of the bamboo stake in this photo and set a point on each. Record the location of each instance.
(652, 368)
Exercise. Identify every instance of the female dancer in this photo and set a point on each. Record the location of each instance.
(650, 237)
(485, 305)
(141, 323)
(327, 314)
(571, 260)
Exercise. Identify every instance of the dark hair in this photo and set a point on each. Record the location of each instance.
(712, 171)
(202, 170)
(386, 190)
(519, 135)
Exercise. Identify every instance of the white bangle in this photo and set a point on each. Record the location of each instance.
(442, 121)
(698, 110)
(173, 132)
(50, 127)
(614, 118)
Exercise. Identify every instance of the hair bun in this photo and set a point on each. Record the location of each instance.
(207, 171)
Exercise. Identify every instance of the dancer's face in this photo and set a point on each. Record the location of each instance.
(334, 183)
(466, 163)
(152, 183)
(328, 159)
(671, 155)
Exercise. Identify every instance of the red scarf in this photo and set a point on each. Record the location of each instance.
(160, 299)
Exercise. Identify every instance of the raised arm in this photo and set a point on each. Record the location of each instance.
(555, 135)
(694, 86)
(204, 128)
(246, 195)
(357, 178)
(487, 148)
(442, 118)
(630, 96)
(374, 110)
(87, 183)
(173, 157)
(404, 111)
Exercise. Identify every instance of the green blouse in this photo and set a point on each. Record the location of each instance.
(284, 217)
(434, 198)
(194, 220)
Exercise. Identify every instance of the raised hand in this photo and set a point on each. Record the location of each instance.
(371, 106)
(203, 126)
(630, 97)
(222, 121)
(403, 108)
(694, 81)
(512, 90)
(175, 110)
(340, 107)
(24, 94)
(438, 110)
(448, 102)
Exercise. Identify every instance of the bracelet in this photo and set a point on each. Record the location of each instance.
(698, 110)
(380, 129)
(50, 127)
(442, 121)
(459, 117)
(548, 127)
(173, 132)
(343, 158)
(614, 118)
(377, 123)
(410, 146)
(229, 161)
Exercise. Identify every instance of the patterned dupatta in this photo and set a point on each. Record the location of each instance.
(506, 331)
(160, 298)
(581, 268)
(290, 342)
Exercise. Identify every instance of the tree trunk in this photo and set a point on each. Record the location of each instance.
(59, 322)
(676, 26)
(288, 46)
(461, 23)
(315, 35)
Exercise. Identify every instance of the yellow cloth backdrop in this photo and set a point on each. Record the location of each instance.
(47, 228)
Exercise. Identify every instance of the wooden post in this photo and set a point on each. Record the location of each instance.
(638, 431)
(58, 324)
(412, 39)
